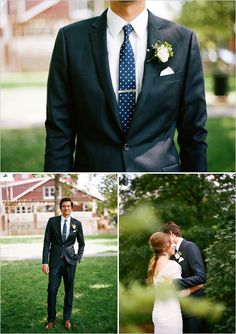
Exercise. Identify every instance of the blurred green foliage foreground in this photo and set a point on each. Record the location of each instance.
(22, 150)
(204, 207)
(136, 305)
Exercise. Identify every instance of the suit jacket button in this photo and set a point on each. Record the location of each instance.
(126, 147)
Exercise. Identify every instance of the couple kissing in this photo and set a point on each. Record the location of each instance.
(180, 261)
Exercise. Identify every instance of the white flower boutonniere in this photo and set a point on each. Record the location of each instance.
(73, 226)
(162, 51)
(178, 257)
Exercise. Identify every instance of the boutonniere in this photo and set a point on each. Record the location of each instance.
(73, 226)
(179, 257)
(162, 51)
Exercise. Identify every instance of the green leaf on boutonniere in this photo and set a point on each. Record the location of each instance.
(162, 51)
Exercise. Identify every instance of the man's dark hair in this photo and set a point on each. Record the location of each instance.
(171, 227)
(66, 199)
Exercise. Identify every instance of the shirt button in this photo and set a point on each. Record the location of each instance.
(126, 147)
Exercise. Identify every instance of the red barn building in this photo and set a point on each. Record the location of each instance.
(28, 202)
(28, 29)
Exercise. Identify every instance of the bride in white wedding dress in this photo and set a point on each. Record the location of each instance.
(166, 315)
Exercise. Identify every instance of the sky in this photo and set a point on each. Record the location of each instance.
(90, 182)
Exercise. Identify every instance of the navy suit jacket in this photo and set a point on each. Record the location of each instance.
(54, 247)
(193, 271)
(83, 127)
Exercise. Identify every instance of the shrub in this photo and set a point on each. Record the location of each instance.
(220, 287)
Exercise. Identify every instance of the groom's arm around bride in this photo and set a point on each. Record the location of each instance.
(193, 271)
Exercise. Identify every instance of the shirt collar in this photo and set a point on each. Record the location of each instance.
(64, 218)
(115, 23)
(178, 244)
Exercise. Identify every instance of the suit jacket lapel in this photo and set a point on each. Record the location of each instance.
(72, 222)
(98, 40)
(58, 226)
(152, 68)
(71, 229)
(182, 246)
(98, 37)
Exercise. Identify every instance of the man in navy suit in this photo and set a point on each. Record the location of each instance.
(88, 103)
(59, 259)
(193, 272)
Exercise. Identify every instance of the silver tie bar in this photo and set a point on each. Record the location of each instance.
(127, 91)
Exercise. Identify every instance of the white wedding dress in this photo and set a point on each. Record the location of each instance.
(166, 314)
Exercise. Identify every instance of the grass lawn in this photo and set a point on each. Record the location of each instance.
(18, 239)
(23, 149)
(110, 238)
(39, 79)
(24, 297)
(221, 144)
(21, 80)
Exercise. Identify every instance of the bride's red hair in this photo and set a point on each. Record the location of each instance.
(159, 241)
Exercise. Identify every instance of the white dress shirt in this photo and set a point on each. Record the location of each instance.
(138, 40)
(178, 244)
(67, 225)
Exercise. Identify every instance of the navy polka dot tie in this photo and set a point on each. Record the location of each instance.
(127, 84)
(64, 231)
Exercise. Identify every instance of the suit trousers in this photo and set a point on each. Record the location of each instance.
(67, 271)
(192, 325)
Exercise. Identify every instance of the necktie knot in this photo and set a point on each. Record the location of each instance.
(127, 30)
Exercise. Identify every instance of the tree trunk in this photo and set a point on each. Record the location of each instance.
(56, 195)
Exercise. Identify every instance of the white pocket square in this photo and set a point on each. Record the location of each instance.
(167, 71)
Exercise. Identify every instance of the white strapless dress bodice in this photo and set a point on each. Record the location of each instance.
(166, 315)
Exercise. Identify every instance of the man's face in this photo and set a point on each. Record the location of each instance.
(66, 209)
(127, 1)
(173, 238)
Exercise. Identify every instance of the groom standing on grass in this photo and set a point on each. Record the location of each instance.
(119, 87)
(59, 259)
(193, 272)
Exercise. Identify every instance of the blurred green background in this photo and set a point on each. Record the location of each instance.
(203, 206)
(27, 47)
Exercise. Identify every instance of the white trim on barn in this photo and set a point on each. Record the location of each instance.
(36, 10)
(31, 188)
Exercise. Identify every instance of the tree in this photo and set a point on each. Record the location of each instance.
(108, 187)
(192, 201)
(67, 181)
(204, 207)
(213, 21)
(220, 258)
(134, 251)
(56, 194)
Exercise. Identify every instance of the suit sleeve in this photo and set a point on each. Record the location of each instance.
(47, 243)
(80, 239)
(60, 134)
(192, 114)
(194, 259)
